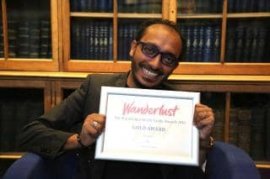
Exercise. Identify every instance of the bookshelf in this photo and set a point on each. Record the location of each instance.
(92, 37)
(220, 19)
(30, 41)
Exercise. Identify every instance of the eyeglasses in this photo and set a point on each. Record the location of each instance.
(151, 50)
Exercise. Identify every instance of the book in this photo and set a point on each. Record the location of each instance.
(239, 36)
(110, 39)
(233, 126)
(254, 44)
(267, 129)
(201, 42)
(186, 6)
(209, 43)
(244, 129)
(261, 42)
(92, 40)
(258, 133)
(12, 38)
(45, 39)
(230, 45)
(23, 39)
(82, 53)
(194, 42)
(248, 44)
(218, 131)
(74, 5)
(1, 43)
(216, 44)
(34, 33)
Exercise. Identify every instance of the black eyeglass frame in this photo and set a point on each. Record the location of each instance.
(171, 63)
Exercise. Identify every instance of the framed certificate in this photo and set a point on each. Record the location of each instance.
(148, 126)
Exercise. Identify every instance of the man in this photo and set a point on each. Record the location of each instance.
(75, 124)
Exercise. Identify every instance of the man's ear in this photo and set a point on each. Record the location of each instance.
(133, 46)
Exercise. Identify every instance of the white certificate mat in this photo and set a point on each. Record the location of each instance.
(148, 126)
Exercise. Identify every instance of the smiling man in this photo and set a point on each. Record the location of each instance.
(75, 123)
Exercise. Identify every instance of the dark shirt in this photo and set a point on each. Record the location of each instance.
(131, 170)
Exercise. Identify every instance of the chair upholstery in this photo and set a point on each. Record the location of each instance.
(224, 161)
(33, 166)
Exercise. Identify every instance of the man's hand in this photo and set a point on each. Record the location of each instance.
(92, 127)
(204, 120)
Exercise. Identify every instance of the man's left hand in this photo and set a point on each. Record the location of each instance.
(204, 120)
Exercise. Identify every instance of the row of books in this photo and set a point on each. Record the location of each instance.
(184, 6)
(249, 121)
(245, 43)
(126, 33)
(249, 129)
(91, 5)
(29, 39)
(91, 39)
(199, 6)
(140, 6)
(249, 6)
(248, 42)
(17, 108)
(202, 41)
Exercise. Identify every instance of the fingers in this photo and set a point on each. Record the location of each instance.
(204, 120)
(94, 124)
(92, 127)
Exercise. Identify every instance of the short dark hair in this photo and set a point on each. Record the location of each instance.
(142, 29)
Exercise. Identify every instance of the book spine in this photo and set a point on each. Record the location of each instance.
(262, 43)
(233, 126)
(216, 49)
(208, 48)
(1, 42)
(92, 40)
(267, 129)
(74, 40)
(254, 44)
(34, 39)
(120, 41)
(12, 38)
(110, 39)
(248, 44)
(258, 133)
(194, 43)
(82, 42)
(87, 40)
(218, 131)
(45, 39)
(244, 129)
(23, 37)
(201, 42)
(240, 34)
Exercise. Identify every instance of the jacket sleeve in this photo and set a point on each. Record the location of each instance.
(48, 133)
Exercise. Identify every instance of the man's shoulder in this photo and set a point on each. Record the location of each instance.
(107, 78)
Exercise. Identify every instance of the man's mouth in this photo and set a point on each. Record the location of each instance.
(150, 74)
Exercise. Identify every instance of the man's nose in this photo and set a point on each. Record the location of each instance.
(155, 61)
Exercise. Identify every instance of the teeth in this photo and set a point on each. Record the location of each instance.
(149, 73)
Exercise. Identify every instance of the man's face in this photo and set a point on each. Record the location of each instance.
(147, 71)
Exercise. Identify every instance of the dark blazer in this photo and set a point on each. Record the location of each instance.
(49, 132)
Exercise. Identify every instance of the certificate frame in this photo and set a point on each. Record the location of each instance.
(145, 125)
